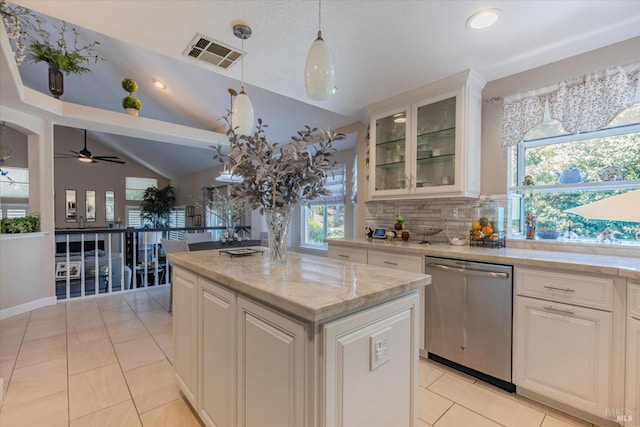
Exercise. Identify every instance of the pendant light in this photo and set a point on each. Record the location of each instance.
(319, 76)
(242, 111)
(225, 174)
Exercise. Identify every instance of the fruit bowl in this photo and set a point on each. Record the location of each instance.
(424, 232)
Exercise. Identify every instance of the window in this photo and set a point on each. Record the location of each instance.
(323, 222)
(134, 217)
(552, 172)
(135, 187)
(176, 220)
(14, 183)
(324, 217)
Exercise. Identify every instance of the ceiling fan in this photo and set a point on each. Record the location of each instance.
(85, 155)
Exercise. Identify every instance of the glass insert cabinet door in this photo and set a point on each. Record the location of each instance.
(436, 143)
(391, 151)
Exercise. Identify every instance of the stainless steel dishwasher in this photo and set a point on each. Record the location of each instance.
(469, 316)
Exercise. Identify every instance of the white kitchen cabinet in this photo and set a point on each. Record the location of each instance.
(347, 254)
(563, 352)
(631, 413)
(368, 358)
(403, 262)
(271, 368)
(217, 404)
(426, 142)
(185, 329)
(565, 345)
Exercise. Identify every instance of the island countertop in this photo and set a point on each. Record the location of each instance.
(307, 286)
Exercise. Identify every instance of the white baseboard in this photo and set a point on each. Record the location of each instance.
(26, 307)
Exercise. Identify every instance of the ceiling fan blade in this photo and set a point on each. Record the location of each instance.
(76, 153)
(64, 156)
(112, 161)
(106, 157)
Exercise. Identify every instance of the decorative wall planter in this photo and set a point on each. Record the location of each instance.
(131, 111)
(56, 83)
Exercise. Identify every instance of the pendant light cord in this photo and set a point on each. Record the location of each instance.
(242, 64)
(319, 19)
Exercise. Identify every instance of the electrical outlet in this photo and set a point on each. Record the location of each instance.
(380, 348)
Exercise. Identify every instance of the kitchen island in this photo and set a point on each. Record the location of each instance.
(314, 342)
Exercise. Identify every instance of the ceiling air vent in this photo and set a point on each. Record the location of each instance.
(212, 52)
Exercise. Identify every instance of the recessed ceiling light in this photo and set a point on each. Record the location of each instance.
(484, 19)
(159, 84)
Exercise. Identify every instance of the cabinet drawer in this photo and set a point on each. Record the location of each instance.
(576, 289)
(348, 254)
(399, 261)
(633, 298)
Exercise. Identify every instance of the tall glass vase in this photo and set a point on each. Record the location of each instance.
(278, 225)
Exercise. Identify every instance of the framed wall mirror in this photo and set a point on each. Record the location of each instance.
(110, 206)
(71, 213)
(90, 205)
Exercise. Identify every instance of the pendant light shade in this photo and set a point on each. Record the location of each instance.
(319, 77)
(242, 114)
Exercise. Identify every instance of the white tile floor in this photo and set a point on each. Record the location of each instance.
(108, 362)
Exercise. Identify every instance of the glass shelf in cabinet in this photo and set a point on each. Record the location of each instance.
(433, 158)
(390, 165)
(391, 143)
(437, 135)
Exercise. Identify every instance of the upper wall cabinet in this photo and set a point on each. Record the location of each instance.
(426, 143)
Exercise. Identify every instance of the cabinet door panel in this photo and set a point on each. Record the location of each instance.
(356, 372)
(218, 383)
(563, 352)
(633, 296)
(389, 152)
(185, 329)
(271, 368)
(633, 372)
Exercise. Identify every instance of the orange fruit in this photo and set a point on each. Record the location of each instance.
(475, 225)
(487, 230)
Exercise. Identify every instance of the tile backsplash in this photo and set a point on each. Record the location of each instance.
(428, 213)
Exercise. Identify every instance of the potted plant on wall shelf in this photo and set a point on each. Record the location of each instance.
(130, 103)
(60, 57)
(157, 204)
(26, 224)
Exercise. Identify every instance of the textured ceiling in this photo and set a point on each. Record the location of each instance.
(380, 48)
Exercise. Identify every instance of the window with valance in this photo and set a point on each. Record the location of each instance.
(571, 144)
(584, 104)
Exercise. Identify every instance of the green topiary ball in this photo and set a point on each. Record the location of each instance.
(131, 102)
(129, 85)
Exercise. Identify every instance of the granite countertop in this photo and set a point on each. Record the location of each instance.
(310, 287)
(579, 262)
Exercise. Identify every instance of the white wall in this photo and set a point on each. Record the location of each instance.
(27, 262)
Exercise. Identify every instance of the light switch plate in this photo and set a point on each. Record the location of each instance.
(381, 349)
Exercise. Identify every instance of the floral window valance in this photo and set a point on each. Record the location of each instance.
(584, 104)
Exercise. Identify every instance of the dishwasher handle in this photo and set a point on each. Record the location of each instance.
(470, 271)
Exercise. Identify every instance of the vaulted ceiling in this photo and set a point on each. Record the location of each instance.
(380, 48)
